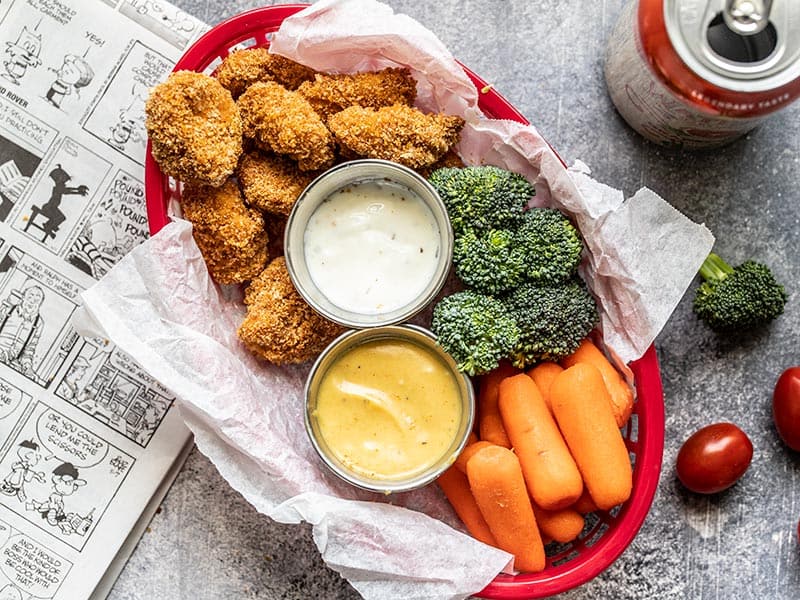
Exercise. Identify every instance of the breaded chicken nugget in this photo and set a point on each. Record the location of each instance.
(280, 327)
(194, 127)
(329, 94)
(398, 133)
(283, 121)
(271, 183)
(231, 237)
(450, 159)
(243, 68)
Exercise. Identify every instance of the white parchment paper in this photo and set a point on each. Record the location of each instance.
(159, 305)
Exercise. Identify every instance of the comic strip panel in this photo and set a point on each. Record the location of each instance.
(61, 477)
(107, 384)
(112, 227)
(24, 140)
(41, 69)
(117, 117)
(28, 569)
(36, 304)
(162, 18)
(61, 194)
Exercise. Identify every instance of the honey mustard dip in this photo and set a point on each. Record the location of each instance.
(388, 409)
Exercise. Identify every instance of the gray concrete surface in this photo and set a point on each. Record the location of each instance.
(545, 56)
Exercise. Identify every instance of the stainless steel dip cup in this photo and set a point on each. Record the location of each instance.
(346, 342)
(333, 180)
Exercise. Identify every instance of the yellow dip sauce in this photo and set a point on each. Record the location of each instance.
(388, 409)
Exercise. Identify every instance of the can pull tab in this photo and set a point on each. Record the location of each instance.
(747, 17)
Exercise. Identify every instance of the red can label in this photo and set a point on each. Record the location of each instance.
(653, 109)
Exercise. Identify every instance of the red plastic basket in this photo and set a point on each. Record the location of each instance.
(607, 534)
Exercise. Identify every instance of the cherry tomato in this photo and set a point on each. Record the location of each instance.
(786, 407)
(714, 458)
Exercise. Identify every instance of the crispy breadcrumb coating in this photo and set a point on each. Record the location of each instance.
(399, 133)
(451, 159)
(280, 327)
(283, 121)
(329, 94)
(194, 128)
(231, 237)
(243, 68)
(271, 183)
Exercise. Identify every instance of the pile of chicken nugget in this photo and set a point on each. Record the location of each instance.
(247, 140)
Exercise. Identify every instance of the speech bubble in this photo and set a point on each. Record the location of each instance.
(10, 397)
(32, 567)
(68, 441)
(45, 277)
(151, 71)
(127, 365)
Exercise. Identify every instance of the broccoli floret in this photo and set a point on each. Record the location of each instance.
(737, 297)
(490, 262)
(551, 245)
(552, 319)
(482, 197)
(475, 329)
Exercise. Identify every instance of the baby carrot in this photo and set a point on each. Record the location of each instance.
(467, 452)
(543, 375)
(550, 472)
(455, 486)
(490, 424)
(585, 505)
(583, 412)
(562, 525)
(620, 392)
(498, 487)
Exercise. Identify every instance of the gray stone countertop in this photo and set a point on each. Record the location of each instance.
(545, 57)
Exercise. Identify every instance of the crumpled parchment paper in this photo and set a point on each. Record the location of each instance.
(159, 305)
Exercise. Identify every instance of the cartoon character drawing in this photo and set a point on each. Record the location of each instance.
(124, 130)
(96, 250)
(22, 54)
(130, 126)
(51, 209)
(20, 328)
(66, 481)
(75, 73)
(22, 471)
(150, 420)
(68, 389)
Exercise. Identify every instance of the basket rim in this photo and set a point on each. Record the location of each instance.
(256, 24)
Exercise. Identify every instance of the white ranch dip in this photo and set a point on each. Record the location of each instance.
(372, 247)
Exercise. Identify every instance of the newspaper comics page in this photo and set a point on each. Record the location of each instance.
(87, 439)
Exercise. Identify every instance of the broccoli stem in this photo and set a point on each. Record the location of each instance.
(714, 268)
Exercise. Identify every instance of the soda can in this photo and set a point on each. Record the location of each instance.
(701, 73)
